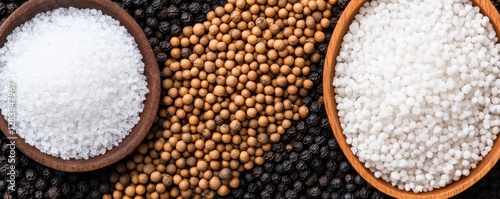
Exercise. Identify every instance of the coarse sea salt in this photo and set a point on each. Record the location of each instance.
(79, 82)
(417, 90)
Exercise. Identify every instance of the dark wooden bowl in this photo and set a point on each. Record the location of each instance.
(448, 191)
(129, 143)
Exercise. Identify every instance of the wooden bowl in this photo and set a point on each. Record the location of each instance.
(331, 109)
(26, 12)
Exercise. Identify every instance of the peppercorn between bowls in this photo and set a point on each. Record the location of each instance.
(151, 103)
(452, 189)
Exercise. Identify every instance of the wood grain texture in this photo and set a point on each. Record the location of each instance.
(140, 130)
(331, 108)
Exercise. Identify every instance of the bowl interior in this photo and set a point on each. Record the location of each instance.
(140, 130)
(331, 108)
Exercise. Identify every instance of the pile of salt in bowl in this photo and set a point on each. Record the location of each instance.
(417, 86)
(232, 87)
(78, 80)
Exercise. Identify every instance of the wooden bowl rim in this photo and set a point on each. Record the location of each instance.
(27, 11)
(331, 108)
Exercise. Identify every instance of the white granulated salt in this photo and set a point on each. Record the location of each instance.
(79, 80)
(417, 87)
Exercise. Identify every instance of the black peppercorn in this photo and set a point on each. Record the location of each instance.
(161, 57)
(186, 18)
(325, 124)
(248, 196)
(95, 194)
(278, 147)
(30, 175)
(313, 192)
(55, 181)
(22, 193)
(162, 13)
(252, 188)
(38, 194)
(306, 155)
(293, 157)
(348, 196)
(315, 130)
(237, 193)
(266, 194)
(358, 180)
(248, 177)
(278, 168)
(336, 183)
(315, 77)
(361, 193)
(304, 174)
(257, 171)
(164, 26)
(335, 195)
(11, 7)
(301, 165)
(311, 179)
(185, 53)
(149, 11)
(158, 35)
(314, 148)
(53, 193)
(287, 166)
(165, 46)
(65, 189)
(175, 30)
(148, 31)
(332, 144)
(323, 152)
(151, 22)
(153, 41)
(200, 18)
(350, 187)
(194, 7)
(46, 173)
(2, 8)
(282, 187)
(323, 181)
(323, 47)
(268, 166)
(265, 177)
(24, 161)
(138, 13)
(40, 184)
(307, 140)
(205, 7)
(344, 166)
(278, 158)
(171, 11)
(275, 178)
(312, 119)
(316, 164)
(184, 7)
(156, 4)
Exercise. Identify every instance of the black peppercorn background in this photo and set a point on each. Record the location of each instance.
(307, 163)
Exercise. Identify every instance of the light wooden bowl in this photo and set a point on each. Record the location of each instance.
(331, 109)
(140, 130)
